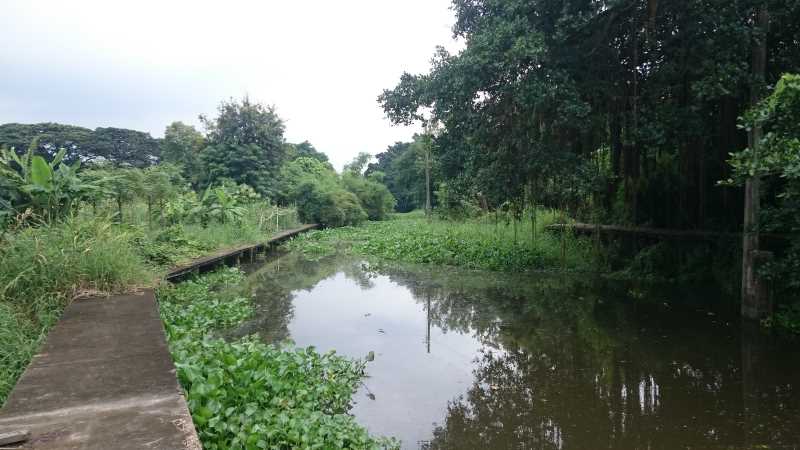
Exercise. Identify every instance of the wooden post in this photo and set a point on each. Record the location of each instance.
(755, 302)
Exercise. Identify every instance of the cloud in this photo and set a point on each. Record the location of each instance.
(144, 64)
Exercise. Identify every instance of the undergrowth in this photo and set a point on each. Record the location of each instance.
(244, 394)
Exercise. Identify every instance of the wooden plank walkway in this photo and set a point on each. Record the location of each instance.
(105, 379)
(233, 255)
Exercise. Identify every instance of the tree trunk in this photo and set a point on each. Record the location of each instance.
(149, 212)
(755, 300)
(428, 183)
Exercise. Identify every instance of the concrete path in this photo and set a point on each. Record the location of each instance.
(103, 380)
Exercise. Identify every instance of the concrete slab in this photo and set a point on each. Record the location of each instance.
(103, 380)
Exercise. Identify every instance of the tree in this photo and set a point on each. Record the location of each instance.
(647, 92)
(122, 146)
(245, 145)
(182, 145)
(117, 146)
(304, 150)
(359, 164)
(77, 142)
(298, 171)
(774, 159)
(372, 194)
(402, 175)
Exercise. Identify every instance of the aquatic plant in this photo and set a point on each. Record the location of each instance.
(475, 244)
(244, 394)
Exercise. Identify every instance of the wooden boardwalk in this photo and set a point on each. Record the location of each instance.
(233, 255)
(105, 379)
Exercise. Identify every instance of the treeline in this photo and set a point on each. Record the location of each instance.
(114, 145)
(50, 169)
(626, 109)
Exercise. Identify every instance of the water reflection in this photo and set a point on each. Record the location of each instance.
(468, 360)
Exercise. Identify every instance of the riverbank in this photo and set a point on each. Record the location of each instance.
(48, 266)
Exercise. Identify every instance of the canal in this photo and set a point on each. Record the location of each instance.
(479, 360)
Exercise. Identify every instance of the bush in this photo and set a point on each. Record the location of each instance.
(374, 197)
(330, 206)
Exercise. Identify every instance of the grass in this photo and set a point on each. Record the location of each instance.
(477, 244)
(47, 265)
(244, 394)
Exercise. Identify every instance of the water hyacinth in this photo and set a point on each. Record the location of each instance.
(245, 394)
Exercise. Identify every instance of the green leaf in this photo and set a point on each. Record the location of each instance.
(41, 173)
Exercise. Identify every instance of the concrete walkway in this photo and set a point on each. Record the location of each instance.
(103, 380)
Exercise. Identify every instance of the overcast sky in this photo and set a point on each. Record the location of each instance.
(144, 64)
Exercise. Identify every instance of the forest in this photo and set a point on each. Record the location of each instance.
(633, 141)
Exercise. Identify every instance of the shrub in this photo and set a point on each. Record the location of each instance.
(374, 196)
(328, 205)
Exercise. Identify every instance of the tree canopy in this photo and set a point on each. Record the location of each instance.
(118, 146)
(245, 145)
(640, 98)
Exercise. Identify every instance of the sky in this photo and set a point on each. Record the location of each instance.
(144, 64)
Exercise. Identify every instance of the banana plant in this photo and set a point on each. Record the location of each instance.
(217, 203)
(50, 189)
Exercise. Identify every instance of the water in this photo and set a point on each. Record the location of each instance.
(478, 360)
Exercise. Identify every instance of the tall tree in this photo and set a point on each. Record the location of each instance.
(304, 150)
(245, 145)
(122, 146)
(648, 92)
(182, 145)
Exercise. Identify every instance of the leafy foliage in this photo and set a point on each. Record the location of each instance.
(245, 394)
(777, 160)
(644, 93)
(182, 145)
(329, 205)
(304, 150)
(402, 174)
(245, 145)
(49, 189)
(117, 146)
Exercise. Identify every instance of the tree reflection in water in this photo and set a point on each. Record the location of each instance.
(574, 362)
(571, 363)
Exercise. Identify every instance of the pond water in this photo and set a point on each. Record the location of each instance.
(478, 360)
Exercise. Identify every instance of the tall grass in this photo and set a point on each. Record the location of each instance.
(260, 219)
